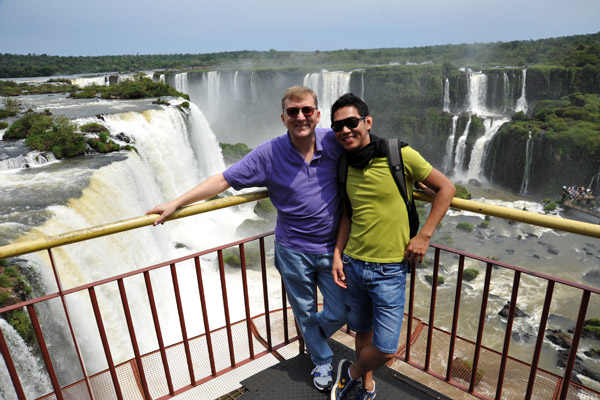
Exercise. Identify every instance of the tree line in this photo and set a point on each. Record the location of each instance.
(567, 51)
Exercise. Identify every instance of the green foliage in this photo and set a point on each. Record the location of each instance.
(462, 192)
(137, 88)
(60, 137)
(5, 281)
(4, 297)
(469, 274)
(93, 127)
(30, 123)
(550, 206)
(570, 51)
(465, 226)
(11, 271)
(484, 224)
(3, 125)
(22, 324)
(234, 152)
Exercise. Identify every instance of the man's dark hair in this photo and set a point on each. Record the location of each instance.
(349, 99)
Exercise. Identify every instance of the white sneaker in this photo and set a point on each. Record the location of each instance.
(322, 378)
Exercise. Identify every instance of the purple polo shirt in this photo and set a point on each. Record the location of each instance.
(305, 195)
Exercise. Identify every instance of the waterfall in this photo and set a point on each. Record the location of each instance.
(528, 158)
(253, 87)
(89, 81)
(477, 93)
(161, 78)
(176, 151)
(236, 86)
(30, 160)
(507, 99)
(32, 374)
(447, 161)
(362, 86)
(460, 150)
(522, 101)
(181, 82)
(446, 96)
(481, 146)
(328, 86)
(212, 85)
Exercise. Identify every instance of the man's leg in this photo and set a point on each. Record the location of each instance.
(298, 272)
(333, 315)
(369, 359)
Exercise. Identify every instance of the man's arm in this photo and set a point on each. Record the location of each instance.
(342, 238)
(208, 188)
(445, 190)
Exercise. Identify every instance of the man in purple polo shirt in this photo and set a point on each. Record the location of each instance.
(299, 169)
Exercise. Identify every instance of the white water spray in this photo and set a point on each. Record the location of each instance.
(528, 158)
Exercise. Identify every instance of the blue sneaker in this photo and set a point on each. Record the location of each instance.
(364, 394)
(322, 378)
(344, 384)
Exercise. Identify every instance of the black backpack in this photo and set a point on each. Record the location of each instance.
(396, 164)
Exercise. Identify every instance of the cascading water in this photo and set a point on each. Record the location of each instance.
(528, 158)
(35, 380)
(522, 101)
(461, 150)
(446, 101)
(447, 161)
(176, 151)
(328, 86)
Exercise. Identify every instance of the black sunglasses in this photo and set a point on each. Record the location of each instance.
(293, 112)
(351, 123)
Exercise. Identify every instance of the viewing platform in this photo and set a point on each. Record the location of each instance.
(257, 353)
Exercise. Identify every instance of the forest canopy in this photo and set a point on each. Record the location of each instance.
(567, 51)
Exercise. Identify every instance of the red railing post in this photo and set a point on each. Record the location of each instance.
(411, 302)
(159, 338)
(540, 340)
(133, 338)
(246, 301)
(105, 345)
(508, 333)
(566, 381)
(226, 307)
(482, 313)
(263, 269)
(35, 323)
(211, 354)
(436, 267)
(461, 266)
(70, 324)
(186, 344)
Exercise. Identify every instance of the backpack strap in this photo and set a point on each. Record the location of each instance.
(397, 167)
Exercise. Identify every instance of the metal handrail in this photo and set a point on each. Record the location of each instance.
(547, 221)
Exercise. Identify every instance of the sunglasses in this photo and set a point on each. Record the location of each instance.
(350, 123)
(293, 112)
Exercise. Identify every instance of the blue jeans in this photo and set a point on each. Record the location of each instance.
(375, 300)
(302, 273)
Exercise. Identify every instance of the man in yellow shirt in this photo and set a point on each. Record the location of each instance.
(374, 248)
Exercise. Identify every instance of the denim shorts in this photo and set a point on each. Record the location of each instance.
(375, 300)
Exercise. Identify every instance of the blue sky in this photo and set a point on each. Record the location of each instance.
(110, 27)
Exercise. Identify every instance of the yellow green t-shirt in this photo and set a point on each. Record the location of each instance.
(380, 229)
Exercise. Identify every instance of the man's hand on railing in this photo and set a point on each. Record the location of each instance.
(164, 210)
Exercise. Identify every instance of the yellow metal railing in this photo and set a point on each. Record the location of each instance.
(16, 249)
